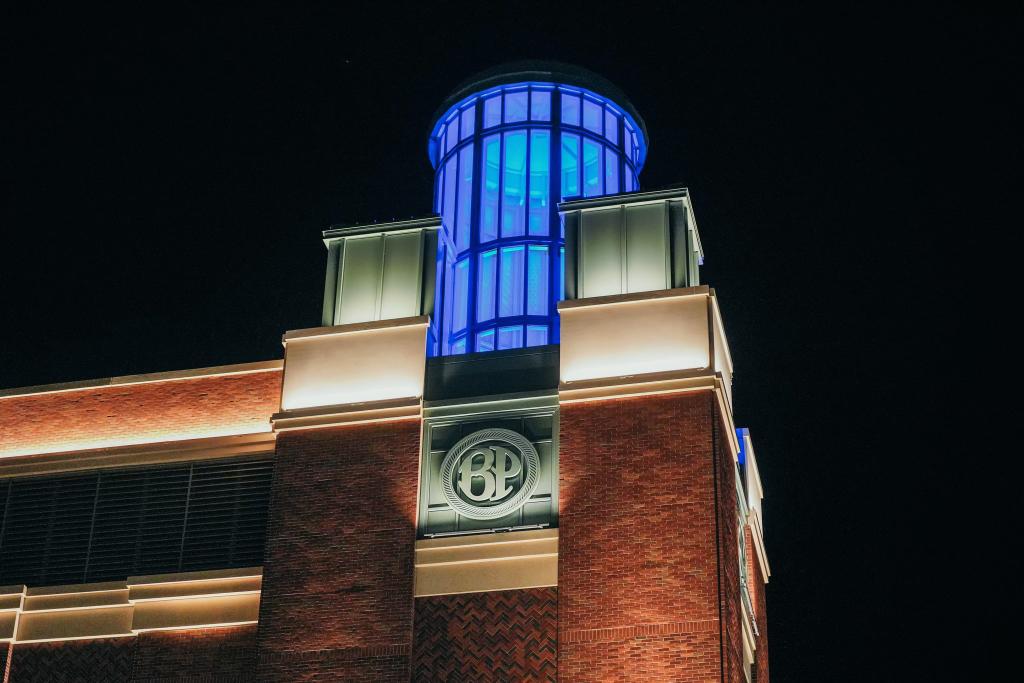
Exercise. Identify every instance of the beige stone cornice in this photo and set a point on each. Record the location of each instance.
(124, 609)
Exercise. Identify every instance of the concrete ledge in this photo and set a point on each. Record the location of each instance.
(260, 443)
(368, 326)
(352, 413)
(111, 609)
(486, 562)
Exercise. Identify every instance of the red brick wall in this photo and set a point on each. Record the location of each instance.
(485, 637)
(222, 655)
(639, 594)
(138, 413)
(337, 585)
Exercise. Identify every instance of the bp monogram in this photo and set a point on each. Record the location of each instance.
(490, 473)
(494, 466)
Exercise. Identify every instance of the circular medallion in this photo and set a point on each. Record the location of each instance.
(490, 473)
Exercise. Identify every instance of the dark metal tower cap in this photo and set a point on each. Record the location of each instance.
(544, 72)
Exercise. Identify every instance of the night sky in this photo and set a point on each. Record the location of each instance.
(167, 176)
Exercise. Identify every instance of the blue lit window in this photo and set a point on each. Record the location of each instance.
(591, 115)
(461, 295)
(499, 156)
(492, 111)
(540, 105)
(540, 154)
(611, 171)
(591, 169)
(465, 198)
(451, 174)
(446, 333)
(570, 109)
(489, 189)
(570, 165)
(510, 337)
(468, 122)
(561, 274)
(536, 335)
(439, 192)
(452, 134)
(486, 282)
(511, 293)
(537, 280)
(611, 126)
(515, 106)
(513, 199)
(485, 340)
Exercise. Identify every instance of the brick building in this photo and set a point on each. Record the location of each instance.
(507, 454)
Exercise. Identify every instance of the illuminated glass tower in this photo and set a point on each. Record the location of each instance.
(571, 500)
(507, 146)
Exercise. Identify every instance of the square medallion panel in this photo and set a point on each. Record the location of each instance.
(500, 461)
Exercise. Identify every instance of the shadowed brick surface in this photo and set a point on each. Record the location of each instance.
(639, 576)
(337, 584)
(495, 636)
(225, 655)
(219, 655)
(106, 660)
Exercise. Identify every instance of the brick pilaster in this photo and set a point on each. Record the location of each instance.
(338, 576)
(639, 579)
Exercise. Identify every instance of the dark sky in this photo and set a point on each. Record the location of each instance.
(167, 174)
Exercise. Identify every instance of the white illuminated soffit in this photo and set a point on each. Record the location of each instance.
(359, 363)
(635, 335)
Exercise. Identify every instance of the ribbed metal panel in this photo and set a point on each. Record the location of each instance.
(111, 524)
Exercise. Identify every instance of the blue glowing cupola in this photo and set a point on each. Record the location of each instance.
(507, 146)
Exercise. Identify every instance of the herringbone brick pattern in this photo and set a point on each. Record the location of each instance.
(222, 655)
(107, 660)
(483, 637)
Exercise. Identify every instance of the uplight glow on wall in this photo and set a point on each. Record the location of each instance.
(351, 364)
(637, 335)
(157, 409)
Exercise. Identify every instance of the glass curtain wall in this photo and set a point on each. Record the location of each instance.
(504, 159)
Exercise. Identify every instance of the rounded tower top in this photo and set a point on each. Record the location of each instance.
(536, 71)
(507, 146)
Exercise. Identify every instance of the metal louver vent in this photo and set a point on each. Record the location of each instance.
(110, 524)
